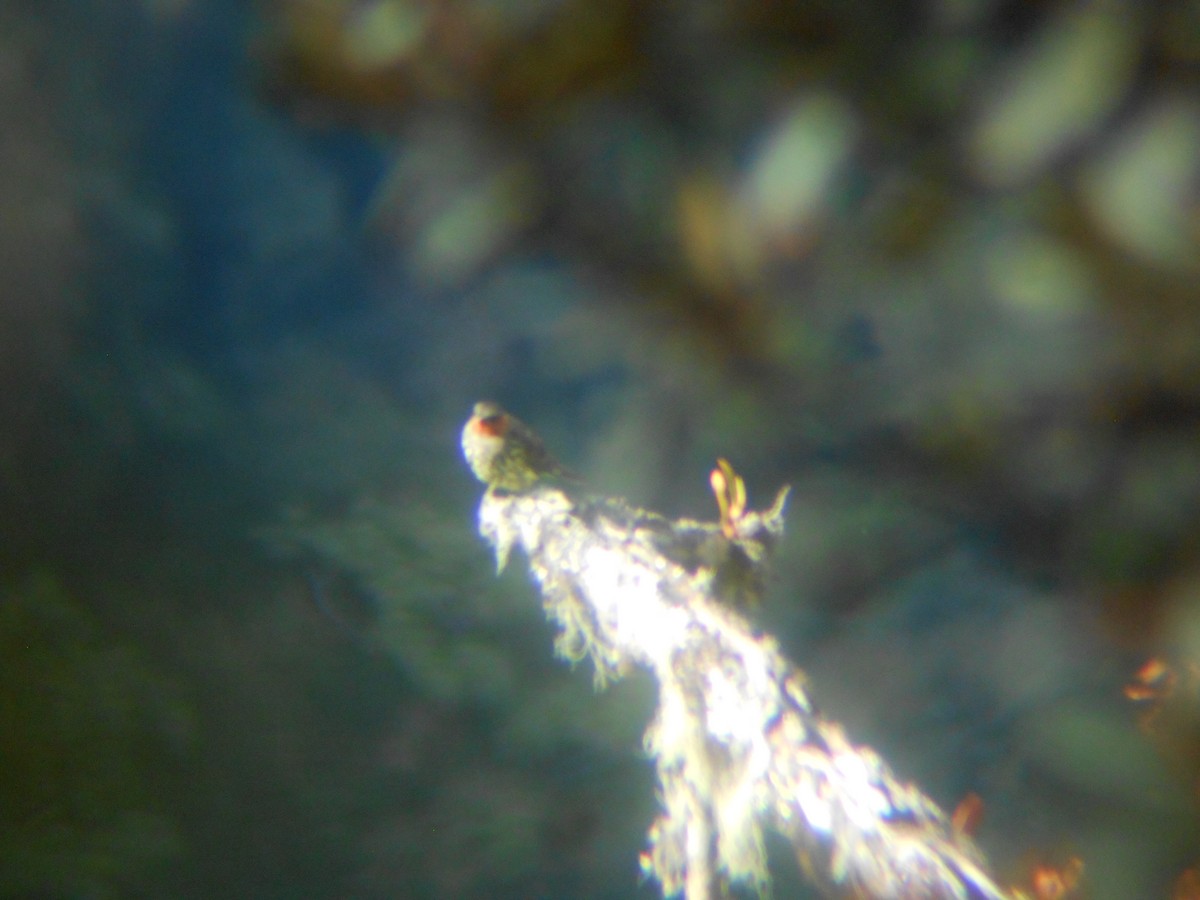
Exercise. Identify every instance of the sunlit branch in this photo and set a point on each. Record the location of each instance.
(737, 743)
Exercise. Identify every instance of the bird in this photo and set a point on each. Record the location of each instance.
(504, 452)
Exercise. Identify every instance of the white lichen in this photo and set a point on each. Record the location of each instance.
(737, 744)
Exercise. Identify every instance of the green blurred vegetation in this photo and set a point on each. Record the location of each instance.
(93, 744)
(934, 262)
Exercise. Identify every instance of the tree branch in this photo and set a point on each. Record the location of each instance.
(738, 744)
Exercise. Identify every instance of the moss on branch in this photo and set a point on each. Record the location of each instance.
(737, 742)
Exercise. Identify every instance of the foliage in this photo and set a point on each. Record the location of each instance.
(89, 732)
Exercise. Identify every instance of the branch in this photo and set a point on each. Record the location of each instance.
(738, 744)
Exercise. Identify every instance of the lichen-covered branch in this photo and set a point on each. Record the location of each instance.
(737, 742)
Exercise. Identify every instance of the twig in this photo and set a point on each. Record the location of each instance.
(738, 744)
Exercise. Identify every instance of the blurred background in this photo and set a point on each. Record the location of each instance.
(934, 263)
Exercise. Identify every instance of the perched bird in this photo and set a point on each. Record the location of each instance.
(504, 452)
